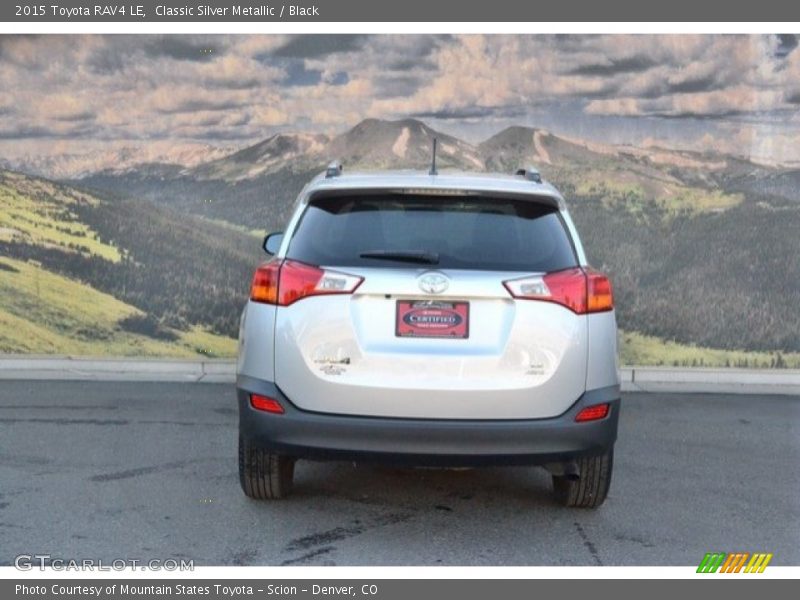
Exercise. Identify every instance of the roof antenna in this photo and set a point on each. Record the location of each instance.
(433, 161)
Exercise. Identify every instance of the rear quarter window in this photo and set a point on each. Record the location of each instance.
(463, 232)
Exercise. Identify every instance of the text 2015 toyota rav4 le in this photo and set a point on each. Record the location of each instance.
(422, 319)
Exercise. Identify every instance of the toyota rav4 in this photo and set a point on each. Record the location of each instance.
(429, 320)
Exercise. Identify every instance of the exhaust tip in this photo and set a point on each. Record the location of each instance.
(571, 471)
(567, 470)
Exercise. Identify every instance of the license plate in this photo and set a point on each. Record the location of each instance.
(431, 318)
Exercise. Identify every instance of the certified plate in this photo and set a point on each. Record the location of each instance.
(429, 318)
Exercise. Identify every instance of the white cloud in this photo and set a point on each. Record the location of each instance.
(270, 116)
(149, 87)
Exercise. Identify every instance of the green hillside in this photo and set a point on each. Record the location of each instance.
(638, 349)
(38, 212)
(80, 274)
(41, 312)
(728, 280)
(617, 188)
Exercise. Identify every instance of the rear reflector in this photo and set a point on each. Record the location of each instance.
(266, 404)
(580, 290)
(285, 282)
(592, 413)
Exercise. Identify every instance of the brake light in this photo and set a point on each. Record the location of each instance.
(286, 282)
(592, 413)
(581, 291)
(266, 404)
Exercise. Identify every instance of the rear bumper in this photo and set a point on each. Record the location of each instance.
(433, 442)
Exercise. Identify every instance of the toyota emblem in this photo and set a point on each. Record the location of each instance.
(433, 283)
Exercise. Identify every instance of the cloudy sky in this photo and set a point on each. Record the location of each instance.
(78, 93)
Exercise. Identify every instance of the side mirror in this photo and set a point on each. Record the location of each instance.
(272, 243)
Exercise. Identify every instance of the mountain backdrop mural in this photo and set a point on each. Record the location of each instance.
(136, 233)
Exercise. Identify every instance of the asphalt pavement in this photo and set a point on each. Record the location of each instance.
(148, 470)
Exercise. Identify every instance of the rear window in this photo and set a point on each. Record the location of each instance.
(456, 232)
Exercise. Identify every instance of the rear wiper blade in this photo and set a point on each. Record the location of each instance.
(425, 258)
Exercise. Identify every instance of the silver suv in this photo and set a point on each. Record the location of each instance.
(438, 320)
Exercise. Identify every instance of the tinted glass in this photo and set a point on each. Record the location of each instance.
(463, 232)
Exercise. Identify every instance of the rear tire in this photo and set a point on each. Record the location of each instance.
(264, 476)
(591, 489)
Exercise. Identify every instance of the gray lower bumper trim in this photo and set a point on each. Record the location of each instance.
(425, 441)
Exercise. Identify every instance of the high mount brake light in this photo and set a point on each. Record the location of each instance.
(284, 282)
(580, 290)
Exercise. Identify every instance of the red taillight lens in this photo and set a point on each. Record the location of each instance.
(600, 295)
(286, 282)
(568, 288)
(298, 280)
(582, 291)
(266, 404)
(265, 283)
(592, 413)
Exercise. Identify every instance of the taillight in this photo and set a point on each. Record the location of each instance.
(599, 294)
(592, 413)
(581, 291)
(265, 283)
(286, 282)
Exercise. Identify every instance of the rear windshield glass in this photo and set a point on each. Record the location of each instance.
(457, 232)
